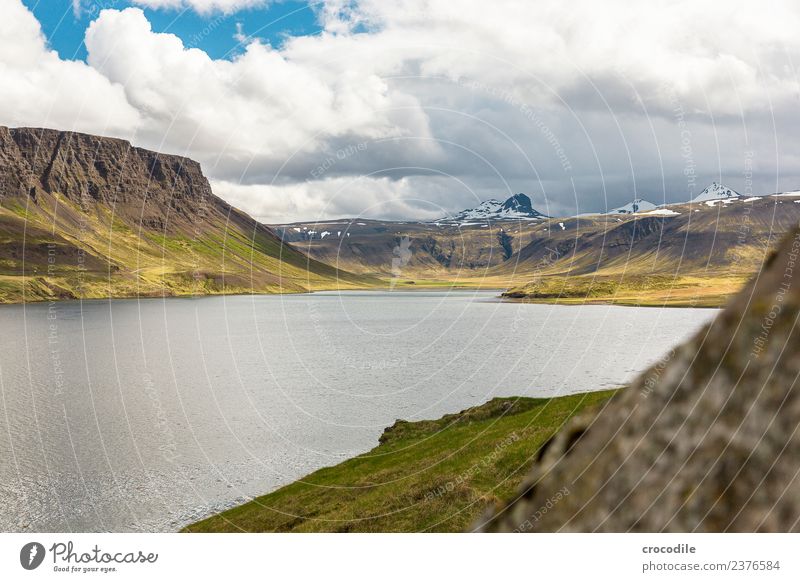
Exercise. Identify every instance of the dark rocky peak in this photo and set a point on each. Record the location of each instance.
(517, 207)
(519, 203)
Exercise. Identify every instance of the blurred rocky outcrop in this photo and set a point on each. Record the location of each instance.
(705, 440)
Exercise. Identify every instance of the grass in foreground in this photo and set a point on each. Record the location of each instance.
(432, 475)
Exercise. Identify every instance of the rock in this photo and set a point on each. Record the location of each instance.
(705, 440)
(140, 184)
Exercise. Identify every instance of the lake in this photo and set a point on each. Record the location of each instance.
(145, 415)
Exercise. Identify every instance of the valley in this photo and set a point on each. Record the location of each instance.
(692, 254)
(85, 217)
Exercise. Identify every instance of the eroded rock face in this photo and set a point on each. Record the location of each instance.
(706, 440)
(87, 169)
(89, 216)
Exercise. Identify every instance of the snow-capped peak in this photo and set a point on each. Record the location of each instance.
(716, 192)
(638, 205)
(517, 207)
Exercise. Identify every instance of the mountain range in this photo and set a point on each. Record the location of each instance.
(681, 254)
(83, 216)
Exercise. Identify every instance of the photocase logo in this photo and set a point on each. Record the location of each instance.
(31, 555)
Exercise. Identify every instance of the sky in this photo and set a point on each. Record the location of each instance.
(418, 108)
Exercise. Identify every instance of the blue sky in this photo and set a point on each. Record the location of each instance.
(213, 33)
(583, 105)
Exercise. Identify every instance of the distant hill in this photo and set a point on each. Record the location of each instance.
(695, 255)
(87, 216)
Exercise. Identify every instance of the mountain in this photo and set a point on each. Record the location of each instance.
(517, 207)
(716, 192)
(638, 205)
(85, 216)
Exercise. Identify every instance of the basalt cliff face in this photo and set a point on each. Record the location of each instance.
(705, 440)
(88, 216)
(87, 169)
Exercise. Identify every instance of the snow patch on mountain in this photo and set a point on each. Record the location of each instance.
(638, 205)
(715, 192)
(720, 201)
(662, 212)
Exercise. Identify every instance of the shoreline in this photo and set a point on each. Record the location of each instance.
(501, 297)
(109, 298)
(435, 475)
(576, 302)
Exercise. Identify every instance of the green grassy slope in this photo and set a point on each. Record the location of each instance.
(435, 475)
(56, 250)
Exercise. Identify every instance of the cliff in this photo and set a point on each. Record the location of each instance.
(88, 216)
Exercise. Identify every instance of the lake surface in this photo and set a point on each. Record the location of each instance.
(146, 415)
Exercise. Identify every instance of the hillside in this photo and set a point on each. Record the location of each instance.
(689, 254)
(685, 254)
(83, 216)
(704, 441)
(432, 475)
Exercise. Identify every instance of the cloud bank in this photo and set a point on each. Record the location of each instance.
(202, 6)
(402, 110)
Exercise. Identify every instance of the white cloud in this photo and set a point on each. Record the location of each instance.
(461, 97)
(239, 35)
(262, 107)
(340, 197)
(202, 6)
(694, 48)
(39, 89)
